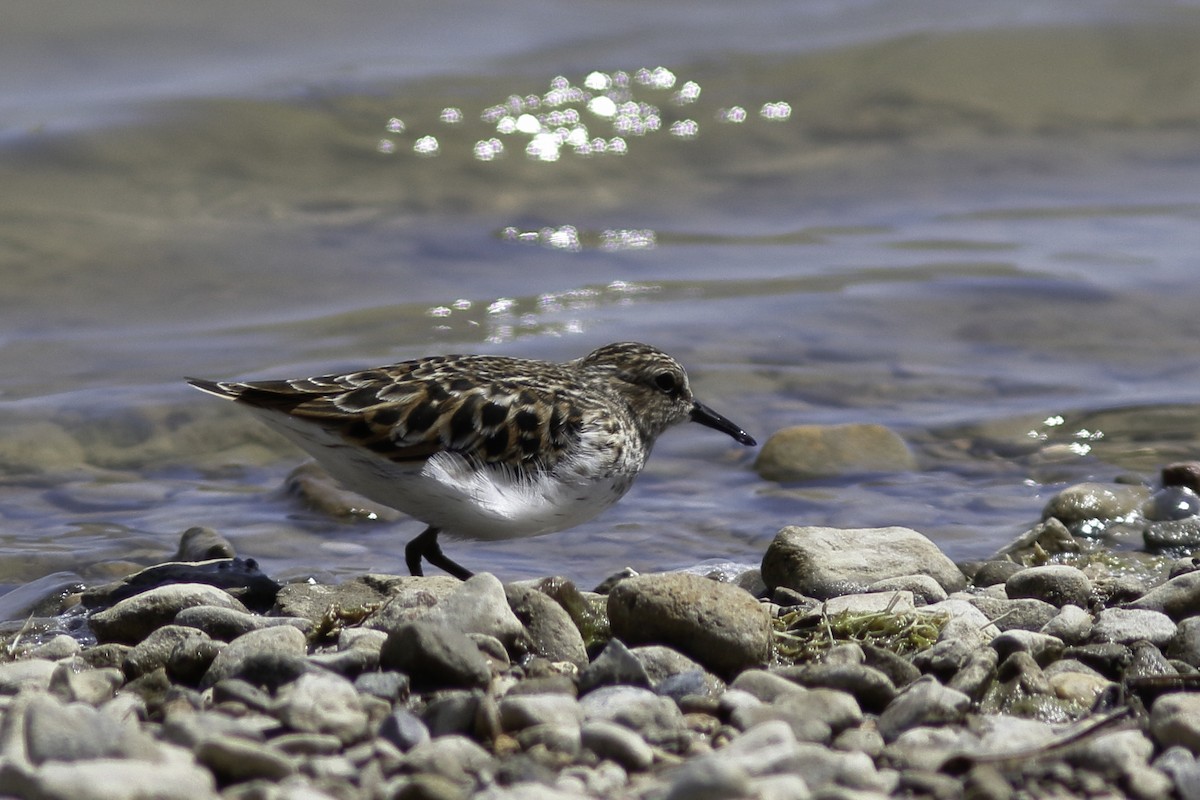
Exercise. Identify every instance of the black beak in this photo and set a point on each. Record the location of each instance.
(711, 419)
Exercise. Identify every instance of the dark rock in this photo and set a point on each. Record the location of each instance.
(435, 657)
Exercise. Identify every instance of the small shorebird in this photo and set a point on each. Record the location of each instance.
(485, 447)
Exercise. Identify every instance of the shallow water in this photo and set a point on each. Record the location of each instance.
(978, 227)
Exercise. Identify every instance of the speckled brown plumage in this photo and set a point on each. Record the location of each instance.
(486, 446)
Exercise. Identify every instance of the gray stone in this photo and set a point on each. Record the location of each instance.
(155, 650)
(973, 678)
(323, 703)
(1185, 645)
(618, 743)
(1041, 647)
(315, 601)
(804, 728)
(615, 665)
(764, 685)
(1026, 614)
(655, 718)
(523, 711)
(74, 732)
(1071, 624)
(134, 618)
(453, 711)
(226, 624)
(192, 657)
(261, 646)
(551, 632)
(479, 605)
(561, 738)
(1128, 625)
(1178, 598)
(176, 778)
(1181, 766)
(711, 779)
(827, 562)
(60, 646)
(813, 451)
(455, 758)
(435, 657)
(1175, 720)
(202, 544)
(662, 663)
(839, 710)
(234, 760)
(923, 588)
(404, 729)
(767, 748)
(870, 687)
(191, 728)
(991, 573)
(1056, 584)
(925, 702)
(719, 625)
(90, 686)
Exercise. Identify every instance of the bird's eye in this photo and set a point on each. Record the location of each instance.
(666, 382)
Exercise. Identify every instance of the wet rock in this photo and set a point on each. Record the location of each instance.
(1128, 625)
(991, 573)
(1080, 688)
(192, 657)
(1055, 584)
(1072, 625)
(134, 618)
(827, 562)
(925, 702)
(1175, 720)
(551, 632)
(1085, 502)
(814, 451)
(57, 647)
(319, 602)
(1049, 537)
(900, 671)
(203, 544)
(717, 624)
(435, 657)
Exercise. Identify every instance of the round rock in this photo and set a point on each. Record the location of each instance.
(828, 562)
(1056, 584)
(719, 625)
(817, 451)
(132, 620)
(1128, 625)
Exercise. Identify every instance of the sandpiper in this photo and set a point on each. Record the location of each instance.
(485, 447)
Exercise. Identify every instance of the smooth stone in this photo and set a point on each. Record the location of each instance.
(1080, 688)
(925, 702)
(192, 657)
(764, 685)
(826, 562)
(992, 573)
(190, 728)
(134, 618)
(891, 602)
(455, 758)
(663, 663)
(316, 601)
(90, 686)
(234, 760)
(616, 665)
(719, 625)
(655, 718)
(558, 737)
(1128, 625)
(202, 544)
(922, 588)
(57, 647)
(814, 451)
(226, 624)
(618, 743)
(1071, 624)
(266, 648)
(1178, 598)
(523, 711)
(804, 728)
(390, 686)
(1175, 720)
(323, 703)
(1041, 647)
(28, 673)
(1026, 614)
(899, 670)
(551, 632)
(872, 689)
(967, 623)
(1185, 645)
(54, 731)
(767, 748)
(404, 729)
(1056, 584)
(976, 673)
(175, 778)
(435, 657)
(1089, 501)
(713, 779)
(155, 650)
(1180, 765)
(837, 709)
(479, 605)
(453, 711)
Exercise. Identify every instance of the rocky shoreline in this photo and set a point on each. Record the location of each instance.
(854, 664)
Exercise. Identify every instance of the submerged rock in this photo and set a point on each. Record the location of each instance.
(819, 451)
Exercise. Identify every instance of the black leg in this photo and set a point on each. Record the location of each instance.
(426, 546)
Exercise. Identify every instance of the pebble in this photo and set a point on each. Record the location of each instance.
(434, 657)
(719, 625)
(258, 655)
(323, 703)
(1175, 720)
(551, 632)
(1055, 584)
(134, 618)
(618, 743)
(1178, 597)
(925, 702)
(1071, 624)
(828, 562)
